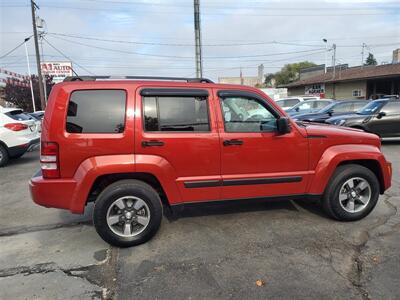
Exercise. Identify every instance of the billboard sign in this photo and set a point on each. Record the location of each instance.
(315, 89)
(59, 70)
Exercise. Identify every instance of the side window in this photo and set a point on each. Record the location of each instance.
(320, 104)
(392, 108)
(343, 107)
(96, 111)
(246, 115)
(167, 113)
(358, 105)
(291, 102)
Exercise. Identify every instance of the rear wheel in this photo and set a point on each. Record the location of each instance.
(4, 157)
(127, 213)
(351, 194)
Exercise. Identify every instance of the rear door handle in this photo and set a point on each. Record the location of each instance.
(232, 142)
(153, 143)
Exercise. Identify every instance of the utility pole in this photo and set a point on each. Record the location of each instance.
(197, 33)
(334, 60)
(362, 54)
(35, 35)
(29, 74)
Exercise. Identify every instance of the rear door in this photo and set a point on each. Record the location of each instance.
(178, 125)
(255, 160)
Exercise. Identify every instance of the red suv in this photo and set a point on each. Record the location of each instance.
(133, 146)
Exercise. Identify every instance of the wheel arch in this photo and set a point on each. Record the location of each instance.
(368, 156)
(372, 165)
(104, 180)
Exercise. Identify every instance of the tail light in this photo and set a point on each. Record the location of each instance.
(16, 126)
(49, 160)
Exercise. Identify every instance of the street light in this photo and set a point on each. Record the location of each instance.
(29, 73)
(326, 51)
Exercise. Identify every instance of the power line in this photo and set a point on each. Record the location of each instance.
(12, 50)
(47, 42)
(184, 57)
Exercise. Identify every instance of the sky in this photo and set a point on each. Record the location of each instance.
(156, 37)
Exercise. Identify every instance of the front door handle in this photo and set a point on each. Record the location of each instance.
(152, 143)
(233, 142)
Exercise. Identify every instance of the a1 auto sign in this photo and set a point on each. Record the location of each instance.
(59, 70)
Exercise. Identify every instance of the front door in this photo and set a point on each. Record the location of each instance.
(387, 122)
(255, 160)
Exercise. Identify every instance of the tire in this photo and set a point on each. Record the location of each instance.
(4, 157)
(355, 206)
(136, 205)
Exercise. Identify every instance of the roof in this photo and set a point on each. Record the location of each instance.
(351, 74)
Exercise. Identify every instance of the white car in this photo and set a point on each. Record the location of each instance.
(19, 133)
(287, 103)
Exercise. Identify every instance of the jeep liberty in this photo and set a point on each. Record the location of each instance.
(136, 145)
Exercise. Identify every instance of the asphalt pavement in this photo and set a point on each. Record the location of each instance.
(256, 251)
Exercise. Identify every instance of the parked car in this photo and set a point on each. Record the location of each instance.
(381, 117)
(287, 103)
(309, 106)
(18, 134)
(134, 146)
(38, 115)
(338, 108)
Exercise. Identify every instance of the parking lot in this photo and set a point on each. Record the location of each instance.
(258, 251)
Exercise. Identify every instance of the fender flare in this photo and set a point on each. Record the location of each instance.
(335, 155)
(92, 168)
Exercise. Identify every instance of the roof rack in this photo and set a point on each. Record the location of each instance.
(94, 78)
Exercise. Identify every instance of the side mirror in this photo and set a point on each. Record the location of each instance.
(297, 109)
(381, 114)
(283, 125)
(330, 112)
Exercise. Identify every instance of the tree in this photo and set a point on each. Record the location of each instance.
(370, 61)
(290, 72)
(21, 96)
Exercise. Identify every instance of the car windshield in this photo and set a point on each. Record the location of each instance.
(328, 107)
(371, 108)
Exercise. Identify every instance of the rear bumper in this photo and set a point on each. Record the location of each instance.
(57, 193)
(21, 149)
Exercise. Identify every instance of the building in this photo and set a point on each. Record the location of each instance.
(345, 82)
(245, 80)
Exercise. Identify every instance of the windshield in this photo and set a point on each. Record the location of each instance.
(328, 107)
(371, 108)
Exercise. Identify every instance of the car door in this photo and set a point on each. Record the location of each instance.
(255, 160)
(387, 122)
(179, 131)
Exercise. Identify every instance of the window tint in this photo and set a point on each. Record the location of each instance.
(291, 102)
(176, 114)
(96, 111)
(358, 105)
(392, 108)
(246, 115)
(18, 115)
(343, 107)
(320, 104)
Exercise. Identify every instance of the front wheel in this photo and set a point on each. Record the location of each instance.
(127, 213)
(351, 194)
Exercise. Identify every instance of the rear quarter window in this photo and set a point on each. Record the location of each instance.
(96, 111)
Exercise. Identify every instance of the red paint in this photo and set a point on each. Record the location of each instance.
(194, 157)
